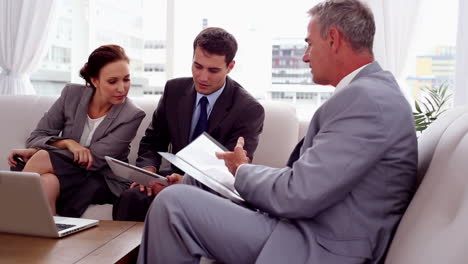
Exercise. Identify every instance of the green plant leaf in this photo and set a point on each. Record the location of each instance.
(434, 102)
(433, 108)
(417, 107)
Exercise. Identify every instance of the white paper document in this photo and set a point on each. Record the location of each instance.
(198, 159)
(134, 173)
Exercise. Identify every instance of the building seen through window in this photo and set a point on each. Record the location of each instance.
(158, 35)
(80, 27)
(434, 69)
(292, 80)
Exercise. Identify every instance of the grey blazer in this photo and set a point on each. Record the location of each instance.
(66, 119)
(341, 200)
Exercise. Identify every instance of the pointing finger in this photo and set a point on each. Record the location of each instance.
(219, 155)
(240, 142)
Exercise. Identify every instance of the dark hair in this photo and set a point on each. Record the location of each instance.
(217, 41)
(99, 58)
(352, 17)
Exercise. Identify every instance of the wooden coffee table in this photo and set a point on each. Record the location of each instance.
(109, 242)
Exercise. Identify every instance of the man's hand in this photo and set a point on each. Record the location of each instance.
(25, 154)
(155, 187)
(142, 187)
(174, 178)
(236, 158)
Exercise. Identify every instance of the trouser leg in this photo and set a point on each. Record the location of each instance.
(185, 223)
(189, 180)
(132, 205)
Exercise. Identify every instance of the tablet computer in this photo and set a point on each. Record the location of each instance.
(134, 173)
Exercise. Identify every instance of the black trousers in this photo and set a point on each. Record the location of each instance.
(132, 204)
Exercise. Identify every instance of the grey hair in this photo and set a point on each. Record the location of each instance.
(353, 18)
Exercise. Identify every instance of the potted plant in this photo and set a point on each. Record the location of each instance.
(435, 101)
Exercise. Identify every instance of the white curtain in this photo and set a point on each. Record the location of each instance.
(461, 72)
(24, 26)
(395, 22)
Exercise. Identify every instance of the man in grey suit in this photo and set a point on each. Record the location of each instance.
(348, 183)
(230, 112)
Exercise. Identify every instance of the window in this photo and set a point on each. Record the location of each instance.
(82, 26)
(432, 59)
(150, 67)
(271, 45)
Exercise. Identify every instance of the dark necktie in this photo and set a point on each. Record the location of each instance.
(202, 123)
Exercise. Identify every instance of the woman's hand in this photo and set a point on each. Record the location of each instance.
(81, 155)
(25, 154)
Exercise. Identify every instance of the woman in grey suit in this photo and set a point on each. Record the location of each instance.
(86, 123)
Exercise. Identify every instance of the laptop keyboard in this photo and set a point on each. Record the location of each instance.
(61, 227)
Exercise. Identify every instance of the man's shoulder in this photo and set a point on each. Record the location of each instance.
(184, 82)
(178, 87)
(374, 92)
(377, 84)
(370, 76)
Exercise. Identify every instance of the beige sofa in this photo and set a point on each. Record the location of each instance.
(20, 114)
(433, 230)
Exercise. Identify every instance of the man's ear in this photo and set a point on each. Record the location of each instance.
(335, 39)
(231, 65)
(95, 82)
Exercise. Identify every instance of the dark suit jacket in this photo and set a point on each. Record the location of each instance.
(236, 113)
(66, 119)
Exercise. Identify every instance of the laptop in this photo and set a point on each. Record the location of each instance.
(25, 208)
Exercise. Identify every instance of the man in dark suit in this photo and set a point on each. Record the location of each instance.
(209, 101)
(348, 183)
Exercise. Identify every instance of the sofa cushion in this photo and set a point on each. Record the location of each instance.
(428, 141)
(98, 212)
(279, 136)
(433, 229)
(20, 114)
